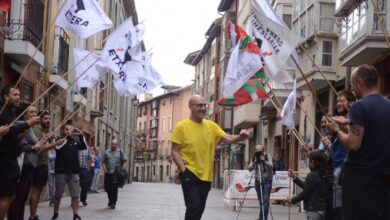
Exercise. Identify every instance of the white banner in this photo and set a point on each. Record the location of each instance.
(239, 179)
(280, 186)
(83, 17)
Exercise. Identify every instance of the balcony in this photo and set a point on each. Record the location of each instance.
(59, 80)
(361, 38)
(246, 115)
(22, 42)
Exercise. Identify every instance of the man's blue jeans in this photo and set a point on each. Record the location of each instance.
(266, 190)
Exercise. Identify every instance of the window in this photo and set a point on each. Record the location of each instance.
(381, 5)
(302, 27)
(310, 20)
(170, 123)
(163, 124)
(228, 119)
(287, 18)
(356, 27)
(327, 53)
(154, 170)
(167, 171)
(326, 17)
(27, 92)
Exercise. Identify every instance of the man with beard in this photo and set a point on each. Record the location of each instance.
(9, 147)
(366, 136)
(338, 155)
(41, 172)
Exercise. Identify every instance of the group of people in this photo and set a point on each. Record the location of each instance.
(349, 172)
(32, 157)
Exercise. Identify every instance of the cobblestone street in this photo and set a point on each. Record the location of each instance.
(155, 201)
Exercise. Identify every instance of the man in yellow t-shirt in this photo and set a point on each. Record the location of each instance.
(193, 148)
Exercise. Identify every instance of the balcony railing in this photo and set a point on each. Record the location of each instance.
(24, 30)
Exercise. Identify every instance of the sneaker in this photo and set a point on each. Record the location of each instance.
(112, 206)
(95, 191)
(84, 203)
(76, 217)
(51, 204)
(34, 218)
(55, 216)
(109, 204)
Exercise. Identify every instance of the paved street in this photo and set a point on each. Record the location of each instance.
(157, 201)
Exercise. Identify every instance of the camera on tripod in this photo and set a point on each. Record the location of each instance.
(258, 155)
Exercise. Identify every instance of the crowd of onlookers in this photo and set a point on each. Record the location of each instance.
(31, 157)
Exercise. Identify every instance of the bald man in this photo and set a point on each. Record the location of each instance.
(111, 160)
(263, 165)
(193, 148)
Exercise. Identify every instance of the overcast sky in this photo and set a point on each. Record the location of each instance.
(175, 28)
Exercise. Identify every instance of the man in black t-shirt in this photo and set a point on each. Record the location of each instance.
(67, 168)
(368, 142)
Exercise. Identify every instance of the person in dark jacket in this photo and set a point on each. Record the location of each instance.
(313, 193)
(67, 168)
(9, 146)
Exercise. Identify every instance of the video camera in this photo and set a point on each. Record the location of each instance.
(258, 155)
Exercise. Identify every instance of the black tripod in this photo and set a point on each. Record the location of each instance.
(257, 171)
(259, 165)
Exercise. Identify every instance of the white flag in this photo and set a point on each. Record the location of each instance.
(288, 112)
(120, 47)
(90, 67)
(83, 17)
(277, 40)
(241, 67)
(141, 77)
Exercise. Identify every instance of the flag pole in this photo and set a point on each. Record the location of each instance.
(308, 84)
(47, 90)
(305, 112)
(279, 105)
(381, 23)
(35, 52)
(63, 76)
(70, 115)
(316, 66)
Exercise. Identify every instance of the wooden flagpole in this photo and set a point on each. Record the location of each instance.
(30, 60)
(70, 115)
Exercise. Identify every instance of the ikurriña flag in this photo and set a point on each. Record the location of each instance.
(252, 90)
(83, 17)
(244, 60)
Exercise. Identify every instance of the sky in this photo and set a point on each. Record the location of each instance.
(175, 28)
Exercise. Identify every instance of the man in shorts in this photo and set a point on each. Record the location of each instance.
(67, 168)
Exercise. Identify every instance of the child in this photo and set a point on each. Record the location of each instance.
(313, 193)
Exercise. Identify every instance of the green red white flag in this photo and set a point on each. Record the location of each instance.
(244, 61)
(252, 90)
(5, 5)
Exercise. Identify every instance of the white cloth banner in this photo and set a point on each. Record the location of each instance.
(288, 112)
(277, 40)
(83, 17)
(90, 68)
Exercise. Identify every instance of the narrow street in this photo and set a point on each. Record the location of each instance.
(157, 201)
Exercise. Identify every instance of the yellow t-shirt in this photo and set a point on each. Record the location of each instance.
(197, 145)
